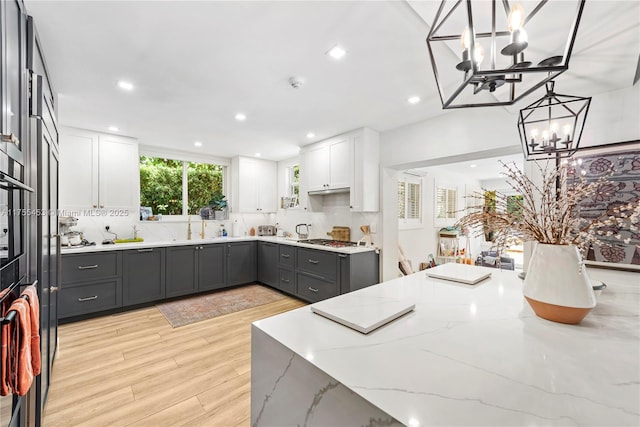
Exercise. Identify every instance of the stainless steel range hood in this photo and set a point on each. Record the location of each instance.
(329, 191)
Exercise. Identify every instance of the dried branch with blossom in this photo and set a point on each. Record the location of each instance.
(549, 212)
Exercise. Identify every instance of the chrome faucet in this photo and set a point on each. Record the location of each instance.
(189, 227)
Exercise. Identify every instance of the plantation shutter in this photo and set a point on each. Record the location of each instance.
(413, 201)
(401, 199)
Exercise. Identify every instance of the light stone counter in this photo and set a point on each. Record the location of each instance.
(196, 241)
(467, 355)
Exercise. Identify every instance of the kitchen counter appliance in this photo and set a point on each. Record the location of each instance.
(328, 242)
(267, 230)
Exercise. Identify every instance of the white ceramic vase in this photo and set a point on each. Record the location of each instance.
(557, 285)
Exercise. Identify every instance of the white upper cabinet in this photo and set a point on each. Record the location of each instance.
(253, 185)
(349, 162)
(329, 164)
(98, 171)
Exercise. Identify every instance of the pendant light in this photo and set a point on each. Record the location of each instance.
(490, 52)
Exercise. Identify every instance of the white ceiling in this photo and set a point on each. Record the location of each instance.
(196, 64)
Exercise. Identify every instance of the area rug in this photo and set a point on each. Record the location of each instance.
(202, 307)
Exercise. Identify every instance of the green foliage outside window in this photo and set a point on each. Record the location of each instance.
(161, 184)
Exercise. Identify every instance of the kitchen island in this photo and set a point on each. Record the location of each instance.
(467, 355)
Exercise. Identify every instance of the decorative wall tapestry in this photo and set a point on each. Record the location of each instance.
(625, 159)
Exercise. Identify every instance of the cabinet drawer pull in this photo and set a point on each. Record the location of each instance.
(313, 289)
(88, 298)
(145, 250)
(342, 255)
(284, 255)
(87, 267)
(313, 261)
(283, 280)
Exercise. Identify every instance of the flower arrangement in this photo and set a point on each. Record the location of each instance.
(549, 211)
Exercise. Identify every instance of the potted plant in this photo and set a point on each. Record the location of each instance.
(218, 203)
(556, 284)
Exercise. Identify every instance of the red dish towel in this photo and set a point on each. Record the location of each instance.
(34, 307)
(4, 358)
(20, 369)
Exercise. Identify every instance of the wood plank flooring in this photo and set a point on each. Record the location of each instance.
(134, 369)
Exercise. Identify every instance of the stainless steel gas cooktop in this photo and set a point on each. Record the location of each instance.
(328, 242)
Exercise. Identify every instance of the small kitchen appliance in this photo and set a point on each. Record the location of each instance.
(266, 230)
(71, 238)
(302, 230)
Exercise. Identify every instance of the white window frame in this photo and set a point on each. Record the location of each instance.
(290, 185)
(451, 196)
(185, 158)
(415, 222)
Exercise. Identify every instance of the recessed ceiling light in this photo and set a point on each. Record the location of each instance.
(336, 52)
(258, 154)
(125, 85)
(414, 100)
(198, 144)
(240, 117)
(473, 166)
(311, 135)
(113, 128)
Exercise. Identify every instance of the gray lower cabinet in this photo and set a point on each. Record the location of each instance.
(315, 274)
(196, 268)
(241, 263)
(268, 258)
(86, 298)
(211, 267)
(90, 283)
(181, 278)
(143, 277)
(358, 271)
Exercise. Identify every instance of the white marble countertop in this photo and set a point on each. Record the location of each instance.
(159, 244)
(478, 355)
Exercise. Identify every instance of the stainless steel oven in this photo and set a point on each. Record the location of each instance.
(13, 217)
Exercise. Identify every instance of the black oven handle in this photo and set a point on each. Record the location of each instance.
(8, 182)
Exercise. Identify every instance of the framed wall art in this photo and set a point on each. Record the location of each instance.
(593, 162)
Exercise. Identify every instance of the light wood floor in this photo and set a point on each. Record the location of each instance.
(133, 368)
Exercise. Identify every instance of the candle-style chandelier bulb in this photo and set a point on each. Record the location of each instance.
(465, 39)
(516, 18)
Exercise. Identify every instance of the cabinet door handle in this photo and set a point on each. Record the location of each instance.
(342, 255)
(10, 137)
(88, 298)
(87, 267)
(283, 280)
(284, 255)
(145, 250)
(313, 261)
(313, 289)
(95, 206)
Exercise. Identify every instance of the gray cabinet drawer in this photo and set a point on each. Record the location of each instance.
(88, 267)
(315, 289)
(321, 263)
(287, 255)
(286, 280)
(89, 298)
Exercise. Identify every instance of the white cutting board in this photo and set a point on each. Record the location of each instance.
(363, 314)
(463, 273)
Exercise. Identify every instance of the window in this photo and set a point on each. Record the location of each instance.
(176, 187)
(292, 191)
(409, 202)
(446, 202)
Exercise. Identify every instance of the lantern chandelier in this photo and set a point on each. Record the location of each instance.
(551, 127)
(477, 48)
